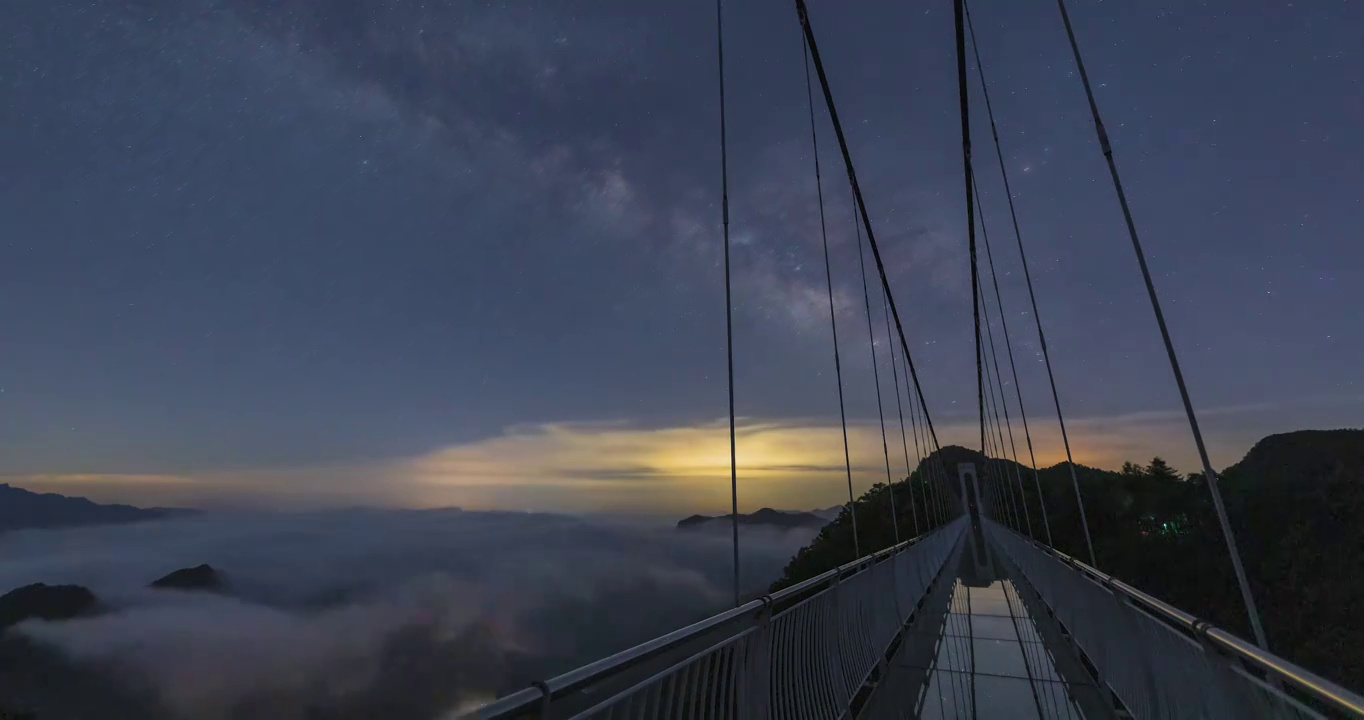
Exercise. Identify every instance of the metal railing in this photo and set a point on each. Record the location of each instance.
(1161, 662)
(803, 652)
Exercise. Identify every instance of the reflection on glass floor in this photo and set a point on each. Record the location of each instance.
(990, 661)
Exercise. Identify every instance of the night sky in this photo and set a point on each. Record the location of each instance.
(311, 253)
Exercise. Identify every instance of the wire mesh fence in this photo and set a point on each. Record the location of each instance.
(1160, 662)
(804, 652)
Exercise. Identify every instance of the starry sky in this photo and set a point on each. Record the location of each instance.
(307, 253)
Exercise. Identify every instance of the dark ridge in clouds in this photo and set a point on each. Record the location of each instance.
(346, 612)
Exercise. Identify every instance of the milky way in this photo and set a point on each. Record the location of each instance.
(241, 236)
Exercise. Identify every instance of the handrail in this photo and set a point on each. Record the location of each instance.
(1314, 684)
(575, 679)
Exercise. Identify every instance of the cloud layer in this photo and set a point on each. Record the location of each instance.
(350, 609)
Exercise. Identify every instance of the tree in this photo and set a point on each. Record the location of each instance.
(1160, 470)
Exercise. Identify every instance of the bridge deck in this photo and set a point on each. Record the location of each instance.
(981, 649)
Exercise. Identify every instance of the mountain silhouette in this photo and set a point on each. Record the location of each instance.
(45, 602)
(22, 509)
(766, 517)
(199, 577)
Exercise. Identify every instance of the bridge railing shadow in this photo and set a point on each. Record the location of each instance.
(1159, 661)
(807, 651)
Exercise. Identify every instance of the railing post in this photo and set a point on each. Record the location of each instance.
(756, 691)
(1228, 699)
(1144, 656)
(894, 561)
(839, 633)
(543, 687)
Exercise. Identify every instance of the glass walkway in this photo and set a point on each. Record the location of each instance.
(979, 649)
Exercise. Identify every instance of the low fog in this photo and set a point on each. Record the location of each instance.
(345, 614)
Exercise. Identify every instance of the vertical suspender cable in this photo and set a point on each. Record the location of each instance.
(876, 378)
(994, 391)
(1013, 367)
(994, 357)
(1208, 473)
(729, 308)
(991, 469)
(804, 16)
(970, 208)
(900, 411)
(989, 472)
(995, 436)
(931, 512)
(927, 477)
(992, 449)
(829, 284)
(1041, 337)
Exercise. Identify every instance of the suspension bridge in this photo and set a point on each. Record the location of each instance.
(972, 611)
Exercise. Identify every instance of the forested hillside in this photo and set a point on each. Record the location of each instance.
(1296, 503)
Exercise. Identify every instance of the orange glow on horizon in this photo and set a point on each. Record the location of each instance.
(787, 464)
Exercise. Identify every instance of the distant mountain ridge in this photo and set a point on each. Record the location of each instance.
(830, 513)
(22, 509)
(766, 517)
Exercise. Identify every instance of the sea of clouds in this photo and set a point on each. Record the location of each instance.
(357, 612)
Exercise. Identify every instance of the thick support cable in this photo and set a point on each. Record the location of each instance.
(963, 95)
(804, 16)
(1037, 318)
(829, 285)
(900, 411)
(876, 378)
(729, 307)
(1208, 472)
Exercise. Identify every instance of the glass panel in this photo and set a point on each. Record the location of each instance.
(954, 653)
(944, 699)
(1004, 698)
(999, 657)
(984, 603)
(1040, 662)
(991, 627)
